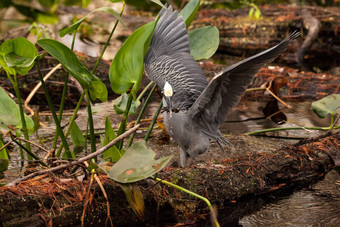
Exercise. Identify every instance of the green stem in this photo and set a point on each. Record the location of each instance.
(147, 135)
(63, 97)
(22, 116)
(332, 120)
(141, 112)
(71, 121)
(108, 41)
(145, 90)
(289, 128)
(57, 123)
(90, 119)
(28, 151)
(122, 126)
(193, 194)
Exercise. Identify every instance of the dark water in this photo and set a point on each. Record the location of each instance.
(318, 205)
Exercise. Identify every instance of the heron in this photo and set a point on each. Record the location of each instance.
(193, 107)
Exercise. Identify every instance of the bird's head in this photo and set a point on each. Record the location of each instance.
(168, 93)
(167, 90)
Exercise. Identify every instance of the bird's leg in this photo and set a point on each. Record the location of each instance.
(183, 156)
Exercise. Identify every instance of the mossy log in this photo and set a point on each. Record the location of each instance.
(48, 200)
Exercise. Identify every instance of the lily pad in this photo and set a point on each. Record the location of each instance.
(328, 105)
(136, 164)
(204, 42)
(17, 55)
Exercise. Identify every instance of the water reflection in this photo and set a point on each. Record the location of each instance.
(318, 206)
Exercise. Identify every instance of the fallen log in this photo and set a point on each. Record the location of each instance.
(227, 184)
(243, 36)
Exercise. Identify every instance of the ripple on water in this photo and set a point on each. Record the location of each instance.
(317, 207)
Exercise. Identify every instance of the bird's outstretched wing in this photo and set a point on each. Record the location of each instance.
(168, 60)
(225, 89)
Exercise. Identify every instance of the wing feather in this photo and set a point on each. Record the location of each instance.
(225, 89)
(169, 59)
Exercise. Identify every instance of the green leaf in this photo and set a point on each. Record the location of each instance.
(72, 64)
(128, 65)
(113, 153)
(92, 166)
(37, 15)
(136, 164)
(158, 2)
(119, 105)
(75, 26)
(4, 160)
(10, 115)
(135, 198)
(78, 140)
(85, 3)
(251, 12)
(17, 55)
(189, 11)
(328, 105)
(48, 3)
(257, 13)
(204, 42)
(114, 1)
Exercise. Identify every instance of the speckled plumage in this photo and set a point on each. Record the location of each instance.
(200, 106)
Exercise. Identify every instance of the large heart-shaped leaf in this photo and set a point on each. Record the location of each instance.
(204, 42)
(75, 26)
(10, 115)
(128, 65)
(72, 64)
(189, 11)
(136, 164)
(327, 105)
(17, 55)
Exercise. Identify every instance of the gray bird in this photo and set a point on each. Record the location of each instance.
(195, 108)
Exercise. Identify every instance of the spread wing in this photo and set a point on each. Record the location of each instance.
(169, 60)
(226, 88)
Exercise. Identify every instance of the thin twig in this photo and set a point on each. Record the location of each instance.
(108, 218)
(34, 144)
(29, 97)
(87, 199)
(4, 146)
(79, 161)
